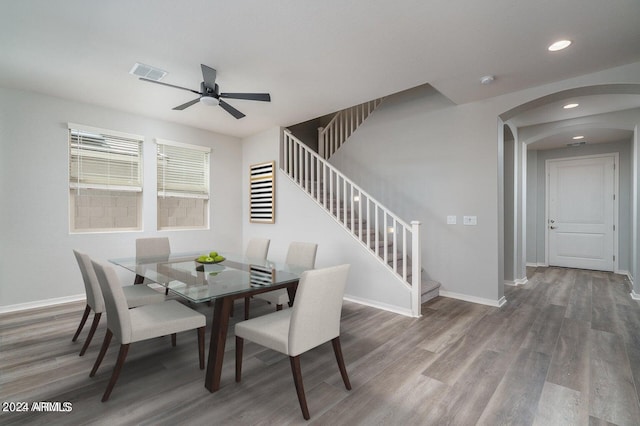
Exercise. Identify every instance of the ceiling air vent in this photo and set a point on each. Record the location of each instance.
(147, 71)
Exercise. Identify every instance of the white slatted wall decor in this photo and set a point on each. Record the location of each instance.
(262, 192)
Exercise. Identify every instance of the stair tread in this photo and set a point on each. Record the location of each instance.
(429, 285)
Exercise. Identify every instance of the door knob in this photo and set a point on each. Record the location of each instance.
(552, 221)
(552, 227)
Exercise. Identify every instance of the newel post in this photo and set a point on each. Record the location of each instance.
(416, 270)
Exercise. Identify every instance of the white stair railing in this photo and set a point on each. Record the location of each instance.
(341, 126)
(391, 240)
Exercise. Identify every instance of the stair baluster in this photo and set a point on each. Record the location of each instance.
(342, 126)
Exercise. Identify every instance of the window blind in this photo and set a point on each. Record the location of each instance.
(183, 170)
(101, 159)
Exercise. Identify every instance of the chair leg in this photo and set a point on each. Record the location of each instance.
(139, 279)
(173, 340)
(103, 351)
(92, 330)
(201, 346)
(297, 379)
(247, 301)
(85, 315)
(337, 349)
(116, 371)
(239, 347)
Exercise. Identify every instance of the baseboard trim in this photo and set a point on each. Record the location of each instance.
(480, 300)
(623, 272)
(536, 265)
(634, 295)
(515, 283)
(41, 303)
(379, 305)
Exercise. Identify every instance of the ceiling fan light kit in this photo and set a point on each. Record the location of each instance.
(210, 93)
(209, 101)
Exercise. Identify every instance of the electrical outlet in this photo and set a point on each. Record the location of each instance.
(470, 220)
(451, 220)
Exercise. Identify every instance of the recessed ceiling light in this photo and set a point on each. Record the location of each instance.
(559, 45)
(575, 144)
(569, 106)
(577, 137)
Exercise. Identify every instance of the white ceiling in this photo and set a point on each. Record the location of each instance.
(313, 57)
(594, 118)
(563, 138)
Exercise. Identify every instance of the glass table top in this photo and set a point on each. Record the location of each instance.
(198, 282)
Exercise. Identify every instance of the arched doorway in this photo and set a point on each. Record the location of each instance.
(540, 123)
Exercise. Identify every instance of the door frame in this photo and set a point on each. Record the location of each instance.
(616, 174)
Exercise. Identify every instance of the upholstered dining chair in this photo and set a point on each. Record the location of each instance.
(142, 323)
(299, 254)
(135, 296)
(313, 320)
(152, 247)
(258, 248)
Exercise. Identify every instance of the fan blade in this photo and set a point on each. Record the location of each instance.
(209, 76)
(170, 85)
(231, 110)
(264, 97)
(186, 105)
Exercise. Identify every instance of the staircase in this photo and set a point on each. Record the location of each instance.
(391, 240)
(342, 125)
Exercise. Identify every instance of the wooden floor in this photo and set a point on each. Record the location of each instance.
(564, 350)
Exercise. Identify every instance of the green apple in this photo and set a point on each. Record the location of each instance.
(209, 259)
(213, 254)
(218, 258)
(202, 258)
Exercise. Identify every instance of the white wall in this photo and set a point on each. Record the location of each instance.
(36, 261)
(299, 218)
(635, 214)
(509, 207)
(532, 209)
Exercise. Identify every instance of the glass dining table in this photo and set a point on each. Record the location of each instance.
(236, 277)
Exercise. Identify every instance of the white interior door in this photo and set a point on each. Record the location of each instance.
(581, 206)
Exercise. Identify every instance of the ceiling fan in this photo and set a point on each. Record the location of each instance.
(210, 93)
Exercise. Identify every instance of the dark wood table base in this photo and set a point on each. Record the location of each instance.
(220, 327)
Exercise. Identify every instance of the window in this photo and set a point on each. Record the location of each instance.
(105, 180)
(183, 186)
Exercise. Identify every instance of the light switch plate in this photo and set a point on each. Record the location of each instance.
(470, 220)
(451, 220)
